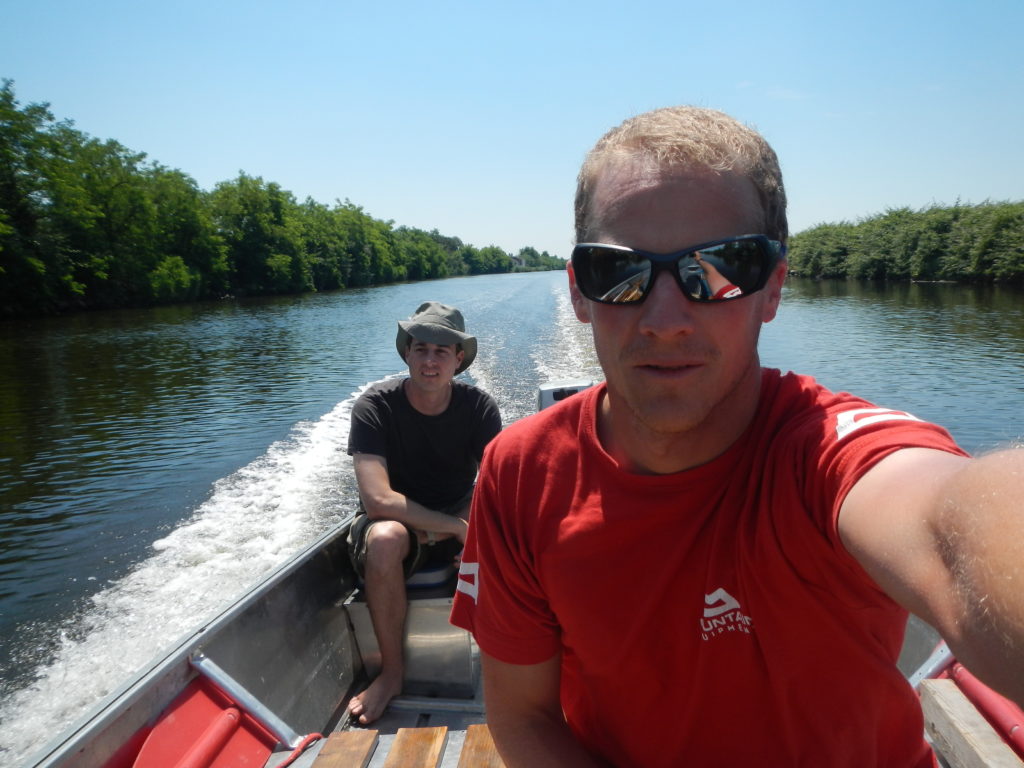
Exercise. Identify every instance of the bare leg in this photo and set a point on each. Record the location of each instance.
(387, 545)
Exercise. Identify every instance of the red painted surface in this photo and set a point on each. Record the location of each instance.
(125, 756)
(203, 728)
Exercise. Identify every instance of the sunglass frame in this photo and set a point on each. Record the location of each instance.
(771, 252)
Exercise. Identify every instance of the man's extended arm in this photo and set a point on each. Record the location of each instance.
(944, 536)
(525, 718)
(384, 503)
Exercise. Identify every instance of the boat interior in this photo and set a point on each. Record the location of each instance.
(275, 671)
(267, 682)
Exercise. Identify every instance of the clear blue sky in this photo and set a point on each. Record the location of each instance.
(473, 117)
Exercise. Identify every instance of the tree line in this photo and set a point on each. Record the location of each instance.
(960, 243)
(87, 224)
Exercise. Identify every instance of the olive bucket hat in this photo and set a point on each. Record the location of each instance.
(437, 323)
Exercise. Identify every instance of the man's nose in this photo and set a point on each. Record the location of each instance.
(666, 312)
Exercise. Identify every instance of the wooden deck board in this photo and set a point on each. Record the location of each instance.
(422, 747)
(963, 737)
(417, 748)
(347, 749)
(478, 751)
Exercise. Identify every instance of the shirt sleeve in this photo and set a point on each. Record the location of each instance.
(859, 435)
(499, 597)
(367, 428)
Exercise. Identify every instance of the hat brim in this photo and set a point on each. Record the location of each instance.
(436, 334)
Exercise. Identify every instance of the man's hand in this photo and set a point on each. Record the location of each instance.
(383, 503)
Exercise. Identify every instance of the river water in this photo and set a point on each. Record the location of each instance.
(155, 463)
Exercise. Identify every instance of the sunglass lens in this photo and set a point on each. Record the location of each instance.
(718, 272)
(613, 276)
(724, 271)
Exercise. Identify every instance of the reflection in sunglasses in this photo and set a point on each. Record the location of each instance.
(717, 286)
(717, 271)
(628, 290)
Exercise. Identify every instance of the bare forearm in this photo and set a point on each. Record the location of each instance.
(524, 713)
(396, 506)
(538, 743)
(981, 540)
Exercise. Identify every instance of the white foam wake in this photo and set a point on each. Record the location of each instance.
(575, 357)
(253, 521)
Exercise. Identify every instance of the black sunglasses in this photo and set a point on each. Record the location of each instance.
(717, 271)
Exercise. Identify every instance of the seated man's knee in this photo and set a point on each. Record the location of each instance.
(387, 540)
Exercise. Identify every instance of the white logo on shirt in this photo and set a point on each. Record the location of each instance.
(722, 614)
(468, 579)
(849, 421)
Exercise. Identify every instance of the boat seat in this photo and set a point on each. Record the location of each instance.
(432, 576)
(438, 656)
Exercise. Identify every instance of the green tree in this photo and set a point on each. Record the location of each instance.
(999, 251)
(964, 243)
(422, 254)
(488, 260)
(326, 245)
(260, 225)
(88, 223)
(97, 228)
(529, 258)
(27, 279)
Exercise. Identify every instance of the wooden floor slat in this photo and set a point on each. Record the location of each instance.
(417, 748)
(478, 750)
(410, 748)
(347, 749)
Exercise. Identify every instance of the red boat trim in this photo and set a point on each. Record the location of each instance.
(1005, 716)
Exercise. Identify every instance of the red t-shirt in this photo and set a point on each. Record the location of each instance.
(709, 617)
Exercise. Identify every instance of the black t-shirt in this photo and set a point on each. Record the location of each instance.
(431, 459)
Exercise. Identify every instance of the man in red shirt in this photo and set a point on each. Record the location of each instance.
(702, 561)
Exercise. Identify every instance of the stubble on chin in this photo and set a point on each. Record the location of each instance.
(649, 414)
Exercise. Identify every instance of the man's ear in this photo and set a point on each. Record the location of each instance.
(773, 292)
(580, 304)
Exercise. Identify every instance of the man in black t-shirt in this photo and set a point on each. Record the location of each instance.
(416, 443)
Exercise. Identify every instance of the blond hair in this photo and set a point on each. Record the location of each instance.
(694, 137)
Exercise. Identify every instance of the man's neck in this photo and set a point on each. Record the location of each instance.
(640, 449)
(428, 402)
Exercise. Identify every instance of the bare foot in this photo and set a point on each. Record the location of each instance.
(371, 703)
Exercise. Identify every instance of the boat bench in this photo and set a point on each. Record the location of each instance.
(439, 657)
(411, 748)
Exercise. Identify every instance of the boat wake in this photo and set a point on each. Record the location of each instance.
(252, 522)
(576, 358)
